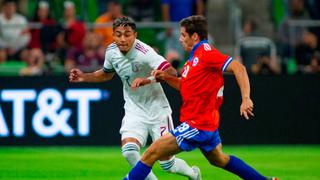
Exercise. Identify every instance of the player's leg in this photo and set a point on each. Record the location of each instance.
(164, 147)
(133, 135)
(179, 166)
(131, 150)
(213, 152)
(172, 164)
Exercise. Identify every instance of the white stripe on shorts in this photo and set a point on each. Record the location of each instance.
(187, 135)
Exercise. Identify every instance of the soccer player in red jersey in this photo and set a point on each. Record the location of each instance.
(201, 87)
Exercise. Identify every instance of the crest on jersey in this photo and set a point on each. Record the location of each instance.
(195, 61)
(135, 66)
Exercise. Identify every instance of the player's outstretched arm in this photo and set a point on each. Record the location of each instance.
(141, 82)
(172, 80)
(241, 75)
(152, 79)
(76, 75)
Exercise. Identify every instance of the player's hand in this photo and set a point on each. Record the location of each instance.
(139, 82)
(246, 108)
(158, 74)
(76, 75)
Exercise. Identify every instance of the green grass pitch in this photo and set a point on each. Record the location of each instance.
(97, 163)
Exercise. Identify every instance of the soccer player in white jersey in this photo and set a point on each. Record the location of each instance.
(147, 110)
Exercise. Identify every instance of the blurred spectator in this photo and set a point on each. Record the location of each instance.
(313, 7)
(88, 57)
(43, 37)
(286, 42)
(265, 65)
(141, 10)
(307, 53)
(14, 34)
(174, 11)
(250, 27)
(114, 10)
(145, 11)
(35, 62)
(258, 54)
(74, 31)
(314, 66)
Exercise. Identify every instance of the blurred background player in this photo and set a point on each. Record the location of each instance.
(201, 87)
(147, 110)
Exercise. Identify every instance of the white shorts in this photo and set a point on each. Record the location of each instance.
(134, 126)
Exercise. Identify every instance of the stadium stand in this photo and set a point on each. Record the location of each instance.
(225, 18)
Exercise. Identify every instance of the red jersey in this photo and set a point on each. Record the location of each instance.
(202, 87)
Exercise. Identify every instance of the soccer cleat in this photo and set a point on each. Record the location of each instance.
(197, 171)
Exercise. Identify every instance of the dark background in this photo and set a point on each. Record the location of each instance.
(286, 108)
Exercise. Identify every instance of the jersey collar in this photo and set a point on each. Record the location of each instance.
(130, 53)
(195, 48)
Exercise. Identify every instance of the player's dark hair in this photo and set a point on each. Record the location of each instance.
(196, 24)
(124, 21)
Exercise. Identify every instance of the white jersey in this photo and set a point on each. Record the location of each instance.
(147, 101)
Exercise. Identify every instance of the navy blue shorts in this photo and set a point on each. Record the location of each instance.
(189, 138)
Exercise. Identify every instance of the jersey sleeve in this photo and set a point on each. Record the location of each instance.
(107, 65)
(156, 61)
(216, 60)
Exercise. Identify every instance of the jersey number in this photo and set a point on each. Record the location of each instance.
(183, 127)
(127, 80)
(185, 71)
(162, 130)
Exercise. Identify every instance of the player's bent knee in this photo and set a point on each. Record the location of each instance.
(130, 151)
(130, 147)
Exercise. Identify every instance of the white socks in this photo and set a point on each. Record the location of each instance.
(130, 151)
(178, 166)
